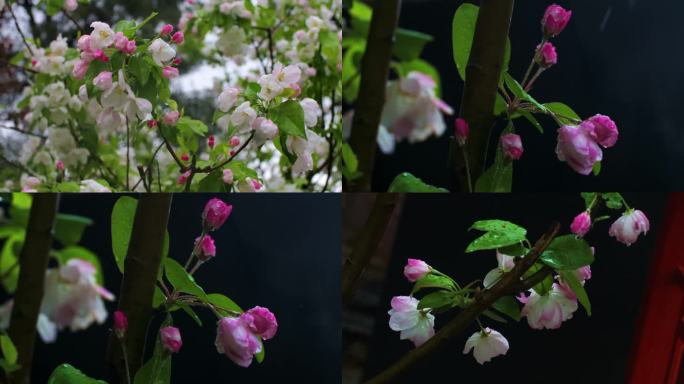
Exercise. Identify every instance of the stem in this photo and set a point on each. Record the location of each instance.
(483, 300)
(374, 72)
(16, 23)
(482, 81)
(33, 261)
(533, 79)
(195, 249)
(196, 267)
(125, 358)
(368, 241)
(220, 165)
(467, 168)
(139, 279)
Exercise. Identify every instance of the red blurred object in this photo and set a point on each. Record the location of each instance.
(659, 340)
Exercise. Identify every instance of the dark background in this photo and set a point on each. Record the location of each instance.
(279, 251)
(583, 350)
(615, 57)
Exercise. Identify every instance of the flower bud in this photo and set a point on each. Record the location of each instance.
(604, 130)
(581, 224)
(215, 214)
(166, 29)
(103, 81)
(178, 37)
(183, 178)
(206, 249)
(577, 148)
(59, 164)
(462, 130)
(546, 55)
(234, 141)
(261, 322)
(151, 123)
(416, 269)
(171, 339)
(512, 146)
(555, 19)
(629, 226)
(185, 157)
(211, 141)
(170, 118)
(228, 176)
(170, 72)
(120, 323)
(70, 5)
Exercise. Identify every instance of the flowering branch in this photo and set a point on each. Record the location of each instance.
(33, 261)
(137, 286)
(374, 72)
(481, 302)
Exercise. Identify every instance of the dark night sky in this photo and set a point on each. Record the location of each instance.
(628, 70)
(585, 349)
(280, 251)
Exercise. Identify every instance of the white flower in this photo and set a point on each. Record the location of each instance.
(75, 158)
(549, 310)
(314, 22)
(506, 263)
(89, 185)
(228, 98)
(487, 344)
(60, 140)
(414, 324)
(75, 103)
(230, 42)
(58, 46)
(264, 129)
(118, 95)
(111, 120)
(311, 111)
(102, 35)
(304, 148)
(46, 328)
(243, 116)
(629, 226)
(161, 52)
(270, 87)
(286, 76)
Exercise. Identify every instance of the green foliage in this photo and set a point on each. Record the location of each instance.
(213, 182)
(181, 280)
(433, 281)
(571, 280)
(351, 163)
(520, 93)
(223, 303)
(508, 306)
(543, 286)
(69, 228)
(563, 113)
(54, 7)
(437, 300)
(498, 234)
(289, 117)
(67, 374)
(157, 370)
(567, 252)
(613, 200)
(123, 214)
(409, 44)
(9, 351)
(406, 182)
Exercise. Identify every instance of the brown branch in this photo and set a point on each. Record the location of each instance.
(33, 261)
(482, 80)
(483, 300)
(209, 169)
(137, 286)
(374, 72)
(367, 243)
(16, 23)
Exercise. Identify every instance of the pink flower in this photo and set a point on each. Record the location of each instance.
(171, 339)
(486, 344)
(261, 322)
(120, 323)
(166, 29)
(100, 55)
(256, 184)
(511, 146)
(206, 250)
(151, 123)
(170, 118)
(59, 164)
(462, 130)
(629, 226)
(185, 157)
(577, 148)
(555, 19)
(84, 43)
(234, 141)
(178, 37)
(415, 325)
(215, 214)
(211, 141)
(604, 130)
(103, 81)
(183, 178)
(581, 224)
(546, 55)
(236, 340)
(130, 47)
(170, 72)
(70, 5)
(120, 41)
(80, 69)
(582, 274)
(549, 310)
(416, 269)
(228, 176)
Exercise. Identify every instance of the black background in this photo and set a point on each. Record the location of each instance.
(280, 251)
(583, 350)
(629, 70)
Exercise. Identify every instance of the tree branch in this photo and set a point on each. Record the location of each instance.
(33, 262)
(374, 72)
(137, 286)
(482, 79)
(483, 300)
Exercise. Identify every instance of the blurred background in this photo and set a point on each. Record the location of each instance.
(279, 252)
(614, 58)
(434, 228)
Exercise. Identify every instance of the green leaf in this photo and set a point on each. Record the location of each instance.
(9, 351)
(213, 182)
(567, 253)
(181, 280)
(462, 32)
(520, 93)
(533, 120)
(596, 168)
(492, 315)
(9, 261)
(187, 309)
(187, 125)
(157, 370)
(128, 28)
(433, 281)
(289, 117)
(588, 198)
(67, 374)
(349, 158)
(78, 252)
(223, 302)
(508, 306)
(409, 44)
(406, 182)
(499, 233)
(262, 353)
(69, 228)
(613, 200)
(563, 113)
(351, 76)
(19, 210)
(543, 286)
(570, 279)
(158, 298)
(437, 300)
(68, 186)
(54, 7)
(123, 214)
(514, 250)
(140, 69)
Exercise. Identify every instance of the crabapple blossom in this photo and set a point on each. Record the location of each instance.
(215, 213)
(555, 19)
(577, 147)
(414, 324)
(261, 322)
(206, 249)
(264, 129)
(178, 37)
(243, 117)
(166, 29)
(548, 310)
(171, 117)
(604, 130)
(505, 264)
(227, 99)
(228, 176)
(101, 37)
(415, 270)
(103, 81)
(120, 323)
(171, 339)
(183, 178)
(582, 274)
(512, 146)
(89, 185)
(285, 76)
(629, 226)
(461, 130)
(581, 224)
(486, 344)
(234, 141)
(248, 185)
(546, 55)
(70, 5)
(161, 52)
(311, 111)
(236, 340)
(170, 72)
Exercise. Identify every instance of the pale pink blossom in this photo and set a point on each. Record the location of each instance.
(486, 345)
(170, 118)
(577, 148)
(80, 69)
(228, 176)
(171, 339)
(413, 324)
(603, 130)
(103, 80)
(170, 72)
(505, 264)
(70, 5)
(549, 310)
(101, 37)
(236, 340)
(629, 226)
(228, 98)
(416, 269)
(120, 41)
(512, 147)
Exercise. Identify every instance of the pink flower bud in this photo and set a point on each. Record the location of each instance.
(235, 339)
(581, 224)
(103, 80)
(577, 148)
(211, 141)
(228, 176)
(232, 152)
(152, 123)
(215, 214)
(170, 72)
(205, 250)
(512, 146)
(604, 130)
(59, 164)
(70, 5)
(83, 43)
(555, 19)
(178, 37)
(168, 28)
(234, 141)
(183, 178)
(256, 184)
(261, 322)
(170, 118)
(177, 61)
(120, 323)
(461, 131)
(629, 226)
(185, 157)
(416, 269)
(80, 69)
(130, 47)
(100, 55)
(171, 339)
(546, 55)
(120, 41)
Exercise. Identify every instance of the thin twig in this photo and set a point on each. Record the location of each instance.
(16, 23)
(209, 169)
(78, 26)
